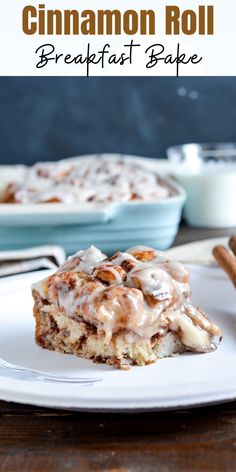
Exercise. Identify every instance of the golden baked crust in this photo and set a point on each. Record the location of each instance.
(9, 194)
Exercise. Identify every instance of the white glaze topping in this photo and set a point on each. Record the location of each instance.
(97, 179)
(83, 261)
(151, 298)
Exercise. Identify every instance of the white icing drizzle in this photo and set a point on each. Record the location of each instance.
(151, 280)
(97, 179)
(121, 257)
(152, 298)
(83, 261)
(110, 271)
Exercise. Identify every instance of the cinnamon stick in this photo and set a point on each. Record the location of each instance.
(232, 244)
(227, 261)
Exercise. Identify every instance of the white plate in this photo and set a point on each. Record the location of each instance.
(182, 381)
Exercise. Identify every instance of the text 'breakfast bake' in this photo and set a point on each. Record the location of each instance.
(83, 180)
(131, 308)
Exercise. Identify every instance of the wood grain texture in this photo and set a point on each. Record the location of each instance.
(35, 439)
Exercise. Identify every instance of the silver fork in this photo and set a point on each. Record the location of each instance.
(31, 374)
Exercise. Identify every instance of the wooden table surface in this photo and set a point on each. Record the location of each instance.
(35, 439)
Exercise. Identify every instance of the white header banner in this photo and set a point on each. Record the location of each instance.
(117, 38)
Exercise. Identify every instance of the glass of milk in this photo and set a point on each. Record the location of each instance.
(208, 174)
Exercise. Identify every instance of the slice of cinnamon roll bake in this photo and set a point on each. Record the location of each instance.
(131, 308)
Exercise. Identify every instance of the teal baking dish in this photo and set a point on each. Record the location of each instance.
(113, 227)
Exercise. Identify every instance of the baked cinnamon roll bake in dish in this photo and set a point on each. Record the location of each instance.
(96, 180)
(129, 309)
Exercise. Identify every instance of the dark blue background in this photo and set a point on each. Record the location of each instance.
(51, 118)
